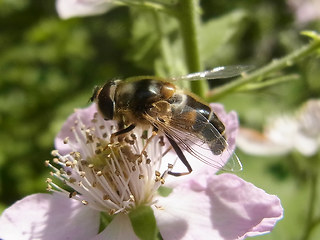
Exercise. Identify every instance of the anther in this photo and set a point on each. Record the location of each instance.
(66, 140)
(133, 136)
(68, 163)
(72, 194)
(98, 151)
(55, 160)
(145, 153)
(132, 198)
(54, 152)
(89, 137)
(72, 180)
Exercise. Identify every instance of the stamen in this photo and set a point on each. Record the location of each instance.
(109, 177)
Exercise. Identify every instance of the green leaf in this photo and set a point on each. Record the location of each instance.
(144, 39)
(312, 34)
(144, 223)
(217, 34)
(155, 43)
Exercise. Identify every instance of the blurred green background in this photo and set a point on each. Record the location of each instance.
(49, 66)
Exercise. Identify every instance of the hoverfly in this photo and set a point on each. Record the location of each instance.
(180, 115)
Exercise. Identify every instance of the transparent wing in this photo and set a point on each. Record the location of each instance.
(207, 145)
(216, 73)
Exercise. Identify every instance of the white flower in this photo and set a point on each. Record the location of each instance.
(110, 177)
(114, 179)
(285, 133)
(75, 8)
(305, 10)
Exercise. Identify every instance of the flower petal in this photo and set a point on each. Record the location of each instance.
(305, 10)
(285, 133)
(120, 228)
(226, 208)
(73, 8)
(253, 142)
(84, 116)
(306, 145)
(240, 209)
(185, 214)
(48, 217)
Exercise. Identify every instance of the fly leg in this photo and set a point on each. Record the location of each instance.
(181, 156)
(121, 132)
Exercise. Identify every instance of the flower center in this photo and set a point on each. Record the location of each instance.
(109, 177)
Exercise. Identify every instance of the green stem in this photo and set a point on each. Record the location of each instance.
(311, 222)
(269, 82)
(189, 19)
(257, 75)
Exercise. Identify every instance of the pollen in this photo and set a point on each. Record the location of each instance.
(84, 202)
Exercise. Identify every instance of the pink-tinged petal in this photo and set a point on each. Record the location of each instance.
(48, 217)
(306, 145)
(84, 116)
(253, 142)
(185, 215)
(120, 228)
(226, 208)
(305, 10)
(284, 134)
(74, 8)
(240, 209)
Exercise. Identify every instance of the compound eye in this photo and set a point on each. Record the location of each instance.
(106, 100)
